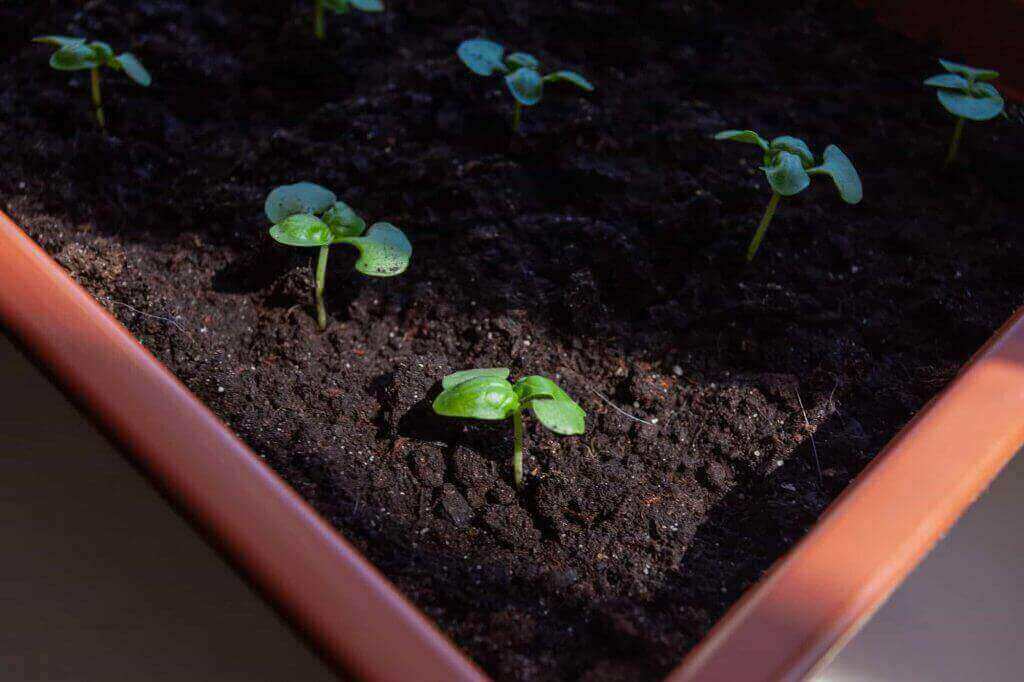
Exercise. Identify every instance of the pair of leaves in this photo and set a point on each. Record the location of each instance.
(964, 92)
(522, 75)
(487, 394)
(789, 163)
(75, 55)
(308, 215)
(342, 6)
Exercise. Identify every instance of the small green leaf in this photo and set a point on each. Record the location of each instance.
(343, 221)
(526, 85)
(536, 387)
(793, 145)
(483, 397)
(839, 167)
(482, 56)
(302, 197)
(748, 136)
(947, 80)
(969, 72)
(134, 69)
(368, 5)
(456, 378)
(59, 41)
(337, 6)
(104, 52)
(74, 57)
(570, 77)
(972, 108)
(787, 175)
(518, 59)
(561, 415)
(384, 251)
(302, 229)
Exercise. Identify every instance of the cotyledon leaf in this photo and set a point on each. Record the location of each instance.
(456, 378)
(839, 167)
(59, 41)
(134, 69)
(969, 72)
(526, 85)
(384, 251)
(343, 221)
(748, 136)
(570, 77)
(483, 57)
(947, 80)
(536, 387)
(973, 108)
(787, 175)
(302, 197)
(793, 145)
(483, 397)
(75, 57)
(302, 229)
(563, 416)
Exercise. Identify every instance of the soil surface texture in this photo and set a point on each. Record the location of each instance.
(728, 403)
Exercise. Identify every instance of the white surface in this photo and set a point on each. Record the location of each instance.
(960, 615)
(99, 579)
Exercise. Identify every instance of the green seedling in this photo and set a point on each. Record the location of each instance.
(521, 71)
(965, 92)
(488, 394)
(340, 7)
(309, 215)
(75, 54)
(788, 164)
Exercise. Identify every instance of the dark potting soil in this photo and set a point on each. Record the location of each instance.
(602, 247)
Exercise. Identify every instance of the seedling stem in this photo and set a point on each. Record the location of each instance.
(318, 19)
(97, 99)
(321, 276)
(517, 449)
(755, 243)
(517, 116)
(954, 144)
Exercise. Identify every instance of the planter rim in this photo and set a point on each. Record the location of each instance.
(792, 620)
(817, 596)
(352, 614)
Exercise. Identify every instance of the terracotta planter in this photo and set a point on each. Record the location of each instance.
(808, 605)
(800, 613)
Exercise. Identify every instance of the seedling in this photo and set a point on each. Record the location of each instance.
(964, 92)
(75, 54)
(788, 164)
(521, 71)
(487, 394)
(340, 7)
(305, 214)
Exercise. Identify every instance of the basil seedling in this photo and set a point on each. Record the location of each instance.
(964, 92)
(340, 7)
(788, 164)
(305, 214)
(487, 394)
(521, 70)
(76, 55)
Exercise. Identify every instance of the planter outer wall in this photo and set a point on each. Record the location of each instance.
(353, 615)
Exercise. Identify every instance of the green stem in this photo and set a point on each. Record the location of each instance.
(97, 99)
(321, 275)
(763, 227)
(517, 116)
(517, 452)
(954, 144)
(318, 19)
